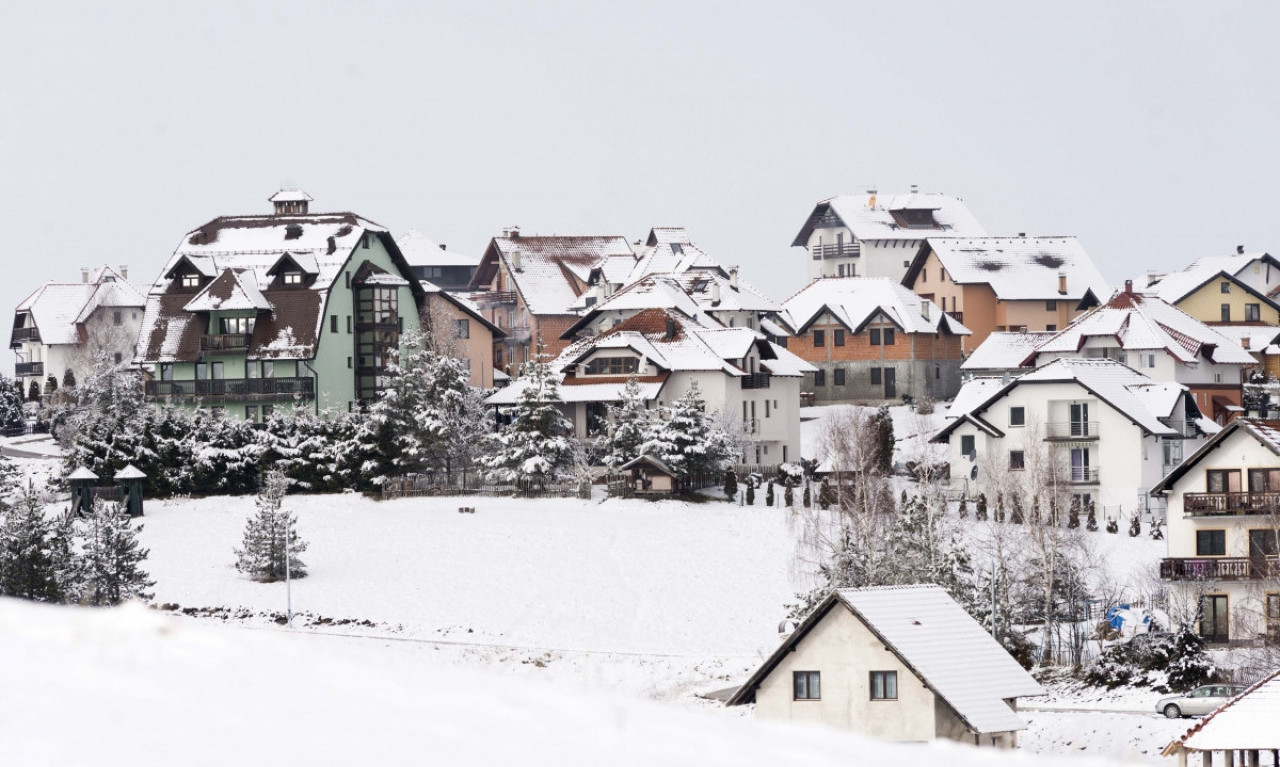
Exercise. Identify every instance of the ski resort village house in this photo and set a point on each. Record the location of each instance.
(447, 269)
(526, 285)
(62, 329)
(252, 312)
(1224, 512)
(737, 370)
(1163, 343)
(873, 235)
(902, 663)
(457, 327)
(995, 284)
(870, 339)
(1092, 430)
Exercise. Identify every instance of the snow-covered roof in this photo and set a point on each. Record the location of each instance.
(82, 473)
(940, 642)
(130, 472)
(1005, 351)
(974, 394)
(290, 195)
(1175, 286)
(233, 290)
(1017, 268)
(871, 216)
(1247, 722)
(853, 301)
(553, 271)
(598, 392)
(1256, 339)
(57, 307)
(1266, 433)
(1141, 322)
(671, 257)
(420, 250)
(699, 294)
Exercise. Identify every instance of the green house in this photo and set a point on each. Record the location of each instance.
(254, 313)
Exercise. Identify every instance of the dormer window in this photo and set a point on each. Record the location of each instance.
(915, 218)
(292, 278)
(191, 280)
(612, 366)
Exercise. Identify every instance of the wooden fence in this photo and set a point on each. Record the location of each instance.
(471, 483)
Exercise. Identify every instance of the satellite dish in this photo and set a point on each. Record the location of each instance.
(973, 473)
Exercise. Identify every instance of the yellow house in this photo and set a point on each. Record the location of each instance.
(1217, 298)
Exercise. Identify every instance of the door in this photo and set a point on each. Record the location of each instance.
(890, 383)
(1079, 420)
(1213, 618)
(1080, 464)
(1262, 544)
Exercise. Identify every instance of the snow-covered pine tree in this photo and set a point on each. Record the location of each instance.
(963, 512)
(33, 391)
(687, 439)
(882, 423)
(461, 419)
(538, 444)
(730, 483)
(111, 557)
(65, 557)
(751, 493)
(26, 568)
(788, 494)
(632, 425)
(980, 513)
(269, 534)
(768, 495)
(69, 379)
(11, 415)
(1091, 523)
(807, 501)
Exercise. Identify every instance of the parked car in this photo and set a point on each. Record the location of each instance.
(1199, 701)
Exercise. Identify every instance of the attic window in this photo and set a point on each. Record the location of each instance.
(190, 280)
(615, 366)
(292, 278)
(915, 218)
(677, 248)
(292, 232)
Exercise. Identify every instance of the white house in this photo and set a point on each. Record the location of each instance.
(903, 663)
(737, 369)
(1160, 341)
(877, 235)
(1097, 430)
(65, 326)
(1224, 511)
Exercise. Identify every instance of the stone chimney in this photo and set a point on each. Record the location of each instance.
(1062, 283)
(515, 261)
(1128, 287)
(1240, 250)
(715, 292)
(84, 274)
(733, 277)
(672, 327)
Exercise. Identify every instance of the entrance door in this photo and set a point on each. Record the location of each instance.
(1213, 618)
(890, 383)
(1262, 544)
(1080, 420)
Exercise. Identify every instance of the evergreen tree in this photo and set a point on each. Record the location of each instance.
(11, 415)
(68, 379)
(1073, 515)
(269, 534)
(51, 385)
(64, 555)
(963, 512)
(788, 494)
(980, 513)
(112, 558)
(807, 501)
(1135, 526)
(538, 444)
(999, 506)
(33, 391)
(826, 496)
(751, 493)
(26, 567)
(632, 425)
(686, 439)
(768, 495)
(1091, 523)
(730, 483)
(882, 424)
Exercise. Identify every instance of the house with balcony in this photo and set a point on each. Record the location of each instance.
(872, 340)
(256, 312)
(1162, 342)
(740, 373)
(877, 235)
(1081, 430)
(527, 284)
(62, 329)
(1007, 284)
(447, 269)
(1223, 516)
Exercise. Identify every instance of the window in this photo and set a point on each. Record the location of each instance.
(1224, 286)
(348, 324)
(875, 376)
(873, 336)
(839, 377)
(117, 318)
(1252, 313)
(807, 684)
(462, 328)
(216, 369)
(819, 338)
(190, 280)
(1051, 306)
(820, 378)
(268, 369)
(884, 685)
(967, 446)
(267, 410)
(766, 405)
(1050, 327)
(236, 325)
(937, 372)
(1273, 607)
(251, 413)
(1017, 460)
(202, 371)
(1264, 480)
(292, 278)
(924, 275)
(612, 366)
(1017, 416)
(888, 336)
(1211, 543)
(1226, 312)
(166, 371)
(1223, 480)
(837, 336)
(333, 323)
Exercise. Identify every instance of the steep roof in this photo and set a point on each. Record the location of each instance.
(853, 301)
(1142, 322)
(695, 293)
(553, 269)
(465, 304)
(1005, 351)
(942, 644)
(871, 216)
(57, 307)
(233, 290)
(421, 250)
(1175, 286)
(1017, 268)
(1247, 722)
(1266, 433)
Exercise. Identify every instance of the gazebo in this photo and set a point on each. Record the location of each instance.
(1243, 729)
(649, 475)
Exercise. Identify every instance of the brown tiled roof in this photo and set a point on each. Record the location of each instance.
(572, 379)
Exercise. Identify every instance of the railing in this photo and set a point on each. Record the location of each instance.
(1210, 504)
(845, 250)
(224, 342)
(756, 381)
(26, 334)
(28, 369)
(235, 388)
(751, 425)
(1219, 568)
(1072, 430)
(495, 297)
(1184, 429)
(518, 334)
(1084, 475)
(957, 316)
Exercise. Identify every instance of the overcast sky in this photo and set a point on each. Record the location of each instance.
(1147, 129)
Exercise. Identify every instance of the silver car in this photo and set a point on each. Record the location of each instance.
(1199, 701)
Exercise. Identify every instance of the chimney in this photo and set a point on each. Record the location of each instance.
(1240, 250)
(671, 328)
(1022, 234)
(715, 292)
(915, 189)
(515, 260)
(1062, 283)
(1128, 287)
(733, 277)
(871, 201)
(124, 271)
(511, 232)
(924, 308)
(84, 274)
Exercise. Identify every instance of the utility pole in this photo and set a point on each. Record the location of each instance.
(288, 583)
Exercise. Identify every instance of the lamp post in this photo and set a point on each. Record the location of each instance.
(288, 582)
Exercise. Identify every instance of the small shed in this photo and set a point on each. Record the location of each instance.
(82, 482)
(130, 481)
(649, 475)
(1243, 729)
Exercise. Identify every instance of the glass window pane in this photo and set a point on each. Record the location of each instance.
(891, 685)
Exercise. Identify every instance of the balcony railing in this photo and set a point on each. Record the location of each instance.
(25, 334)
(1084, 475)
(21, 369)
(751, 425)
(1211, 504)
(845, 250)
(756, 381)
(224, 342)
(1219, 568)
(1072, 430)
(957, 316)
(494, 298)
(235, 388)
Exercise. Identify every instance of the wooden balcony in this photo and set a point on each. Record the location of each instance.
(1071, 431)
(494, 298)
(756, 381)
(1225, 504)
(845, 250)
(224, 342)
(223, 389)
(24, 334)
(21, 369)
(1219, 568)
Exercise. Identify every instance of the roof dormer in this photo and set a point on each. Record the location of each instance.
(293, 270)
(290, 202)
(190, 274)
(915, 218)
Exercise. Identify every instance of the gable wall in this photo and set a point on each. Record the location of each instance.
(1206, 303)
